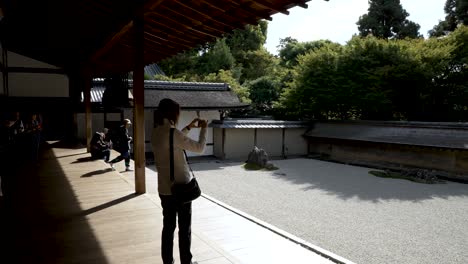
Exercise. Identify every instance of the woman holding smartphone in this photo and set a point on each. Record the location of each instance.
(167, 117)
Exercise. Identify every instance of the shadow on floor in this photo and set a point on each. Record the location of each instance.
(85, 159)
(37, 199)
(97, 172)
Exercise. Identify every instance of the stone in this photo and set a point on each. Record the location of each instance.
(422, 175)
(258, 156)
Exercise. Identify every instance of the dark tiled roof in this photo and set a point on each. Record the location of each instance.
(190, 95)
(451, 135)
(194, 99)
(185, 86)
(98, 92)
(153, 69)
(253, 123)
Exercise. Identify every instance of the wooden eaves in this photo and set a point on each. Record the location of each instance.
(92, 38)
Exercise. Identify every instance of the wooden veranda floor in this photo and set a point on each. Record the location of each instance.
(69, 209)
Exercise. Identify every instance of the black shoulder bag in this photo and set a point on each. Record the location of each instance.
(183, 192)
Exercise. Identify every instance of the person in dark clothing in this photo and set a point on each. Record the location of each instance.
(123, 145)
(16, 128)
(99, 147)
(33, 130)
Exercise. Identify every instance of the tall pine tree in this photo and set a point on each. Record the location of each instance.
(457, 13)
(387, 19)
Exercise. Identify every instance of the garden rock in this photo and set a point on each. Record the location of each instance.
(258, 157)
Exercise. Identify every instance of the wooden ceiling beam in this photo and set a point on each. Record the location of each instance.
(196, 22)
(187, 37)
(176, 33)
(114, 38)
(270, 6)
(303, 4)
(250, 12)
(167, 41)
(146, 48)
(210, 17)
(184, 26)
(166, 35)
(148, 43)
(149, 52)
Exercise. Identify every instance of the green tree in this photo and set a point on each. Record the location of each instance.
(184, 63)
(263, 92)
(290, 49)
(387, 19)
(257, 63)
(456, 13)
(250, 38)
(227, 77)
(316, 88)
(217, 58)
(451, 79)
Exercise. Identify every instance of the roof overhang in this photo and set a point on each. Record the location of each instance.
(98, 34)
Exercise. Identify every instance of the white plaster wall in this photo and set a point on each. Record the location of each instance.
(238, 143)
(35, 84)
(218, 142)
(270, 140)
(113, 116)
(295, 143)
(17, 60)
(185, 118)
(38, 84)
(97, 124)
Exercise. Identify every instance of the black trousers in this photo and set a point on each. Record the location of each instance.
(123, 155)
(171, 211)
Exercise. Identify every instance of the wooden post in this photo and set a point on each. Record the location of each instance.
(138, 97)
(255, 137)
(283, 150)
(223, 144)
(87, 82)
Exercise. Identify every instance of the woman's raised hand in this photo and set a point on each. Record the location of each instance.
(202, 123)
(193, 123)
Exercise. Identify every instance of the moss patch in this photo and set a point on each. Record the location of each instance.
(252, 166)
(396, 175)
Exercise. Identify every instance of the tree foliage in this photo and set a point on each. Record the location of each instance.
(456, 13)
(251, 38)
(387, 19)
(264, 91)
(290, 49)
(371, 78)
(237, 58)
(219, 57)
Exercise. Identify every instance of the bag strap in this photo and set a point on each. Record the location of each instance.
(171, 150)
(190, 167)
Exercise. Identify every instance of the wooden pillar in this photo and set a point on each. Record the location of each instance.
(255, 137)
(283, 150)
(87, 82)
(138, 97)
(223, 144)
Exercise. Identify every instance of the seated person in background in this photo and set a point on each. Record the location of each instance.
(100, 149)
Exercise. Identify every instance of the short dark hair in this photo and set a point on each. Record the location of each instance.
(168, 109)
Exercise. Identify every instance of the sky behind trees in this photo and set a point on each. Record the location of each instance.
(336, 20)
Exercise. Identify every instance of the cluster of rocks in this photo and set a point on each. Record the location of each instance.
(422, 175)
(259, 157)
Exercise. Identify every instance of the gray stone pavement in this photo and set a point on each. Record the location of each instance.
(347, 211)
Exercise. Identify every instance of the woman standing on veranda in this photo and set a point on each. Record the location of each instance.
(167, 117)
